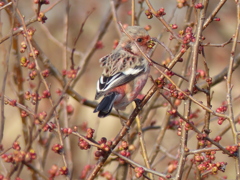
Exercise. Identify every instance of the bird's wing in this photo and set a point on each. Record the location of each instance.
(104, 60)
(106, 83)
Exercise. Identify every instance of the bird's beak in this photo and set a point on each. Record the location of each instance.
(150, 44)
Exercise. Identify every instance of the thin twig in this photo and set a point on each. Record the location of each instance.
(162, 20)
(184, 133)
(220, 76)
(35, 170)
(165, 47)
(6, 5)
(143, 145)
(78, 36)
(26, 23)
(91, 49)
(218, 45)
(213, 14)
(2, 123)
(133, 13)
(67, 156)
(160, 137)
(115, 17)
(138, 165)
(229, 91)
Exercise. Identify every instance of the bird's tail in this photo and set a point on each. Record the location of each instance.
(105, 106)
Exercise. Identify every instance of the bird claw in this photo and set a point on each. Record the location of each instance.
(138, 102)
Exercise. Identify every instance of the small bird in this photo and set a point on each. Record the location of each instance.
(125, 71)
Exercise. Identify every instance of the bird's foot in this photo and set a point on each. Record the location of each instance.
(138, 103)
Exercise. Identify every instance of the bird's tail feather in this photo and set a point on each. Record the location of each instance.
(105, 106)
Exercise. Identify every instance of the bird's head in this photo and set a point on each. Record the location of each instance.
(135, 35)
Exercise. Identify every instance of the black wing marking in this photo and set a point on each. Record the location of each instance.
(105, 83)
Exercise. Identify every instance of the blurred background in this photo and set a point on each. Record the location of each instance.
(51, 38)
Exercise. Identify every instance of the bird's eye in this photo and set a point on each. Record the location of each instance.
(139, 39)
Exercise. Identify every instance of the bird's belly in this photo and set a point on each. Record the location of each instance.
(133, 90)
